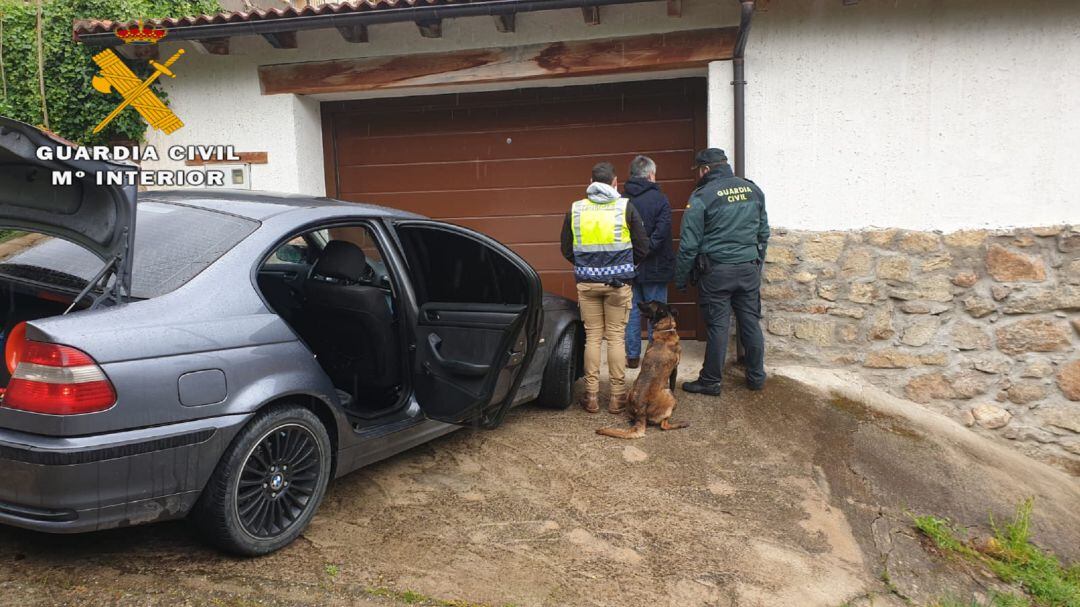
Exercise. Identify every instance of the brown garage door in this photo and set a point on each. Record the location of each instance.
(510, 163)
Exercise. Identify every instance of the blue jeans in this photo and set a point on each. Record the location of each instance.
(643, 292)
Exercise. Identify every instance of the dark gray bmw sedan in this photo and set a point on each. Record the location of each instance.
(221, 355)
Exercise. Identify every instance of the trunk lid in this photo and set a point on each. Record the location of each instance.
(100, 218)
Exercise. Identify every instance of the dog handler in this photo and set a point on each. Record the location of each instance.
(726, 222)
(604, 238)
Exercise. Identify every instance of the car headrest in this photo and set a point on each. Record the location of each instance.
(342, 260)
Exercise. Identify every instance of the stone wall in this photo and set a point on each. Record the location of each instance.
(982, 326)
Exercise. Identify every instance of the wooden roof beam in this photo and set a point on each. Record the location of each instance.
(353, 33)
(431, 28)
(636, 54)
(281, 39)
(212, 46)
(506, 23)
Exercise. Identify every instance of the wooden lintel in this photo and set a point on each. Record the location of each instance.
(653, 52)
(212, 46)
(505, 23)
(353, 33)
(431, 28)
(245, 158)
(674, 8)
(281, 39)
(591, 15)
(139, 52)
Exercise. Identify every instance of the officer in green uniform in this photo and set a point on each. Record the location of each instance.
(726, 223)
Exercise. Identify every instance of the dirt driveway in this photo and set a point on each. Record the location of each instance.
(775, 498)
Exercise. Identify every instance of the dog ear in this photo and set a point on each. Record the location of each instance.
(645, 308)
(674, 313)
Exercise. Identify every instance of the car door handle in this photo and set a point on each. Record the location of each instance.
(457, 367)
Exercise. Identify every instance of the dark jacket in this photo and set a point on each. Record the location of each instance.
(655, 211)
(725, 219)
(639, 238)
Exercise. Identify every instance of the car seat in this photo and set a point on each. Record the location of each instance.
(349, 325)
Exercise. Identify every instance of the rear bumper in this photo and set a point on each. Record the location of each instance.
(73, 485)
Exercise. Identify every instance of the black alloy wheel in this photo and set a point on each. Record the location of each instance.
(268, 484)
(278, 481)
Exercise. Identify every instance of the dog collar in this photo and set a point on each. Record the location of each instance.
(672, 330)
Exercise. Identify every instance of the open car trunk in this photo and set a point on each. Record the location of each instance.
(99, 218)
(19, 304)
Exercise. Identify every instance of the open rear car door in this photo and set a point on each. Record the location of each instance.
(100, 218)
(479, 316)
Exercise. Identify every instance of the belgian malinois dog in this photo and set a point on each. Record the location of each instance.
(652, 397)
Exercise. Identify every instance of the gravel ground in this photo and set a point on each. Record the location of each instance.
(781, 497)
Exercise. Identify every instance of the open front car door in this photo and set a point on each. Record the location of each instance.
(479, 315)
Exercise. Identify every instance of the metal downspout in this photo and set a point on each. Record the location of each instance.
(739, 84)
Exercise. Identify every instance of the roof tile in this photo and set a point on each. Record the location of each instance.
(100, 26)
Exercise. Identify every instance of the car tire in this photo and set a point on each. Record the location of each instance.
(557, 389)
(254, 504)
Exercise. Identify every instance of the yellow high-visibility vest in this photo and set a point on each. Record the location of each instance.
(602, 246)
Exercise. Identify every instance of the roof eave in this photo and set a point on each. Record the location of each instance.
(245, 25)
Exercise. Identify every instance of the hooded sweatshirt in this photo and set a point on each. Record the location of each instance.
(602, 193)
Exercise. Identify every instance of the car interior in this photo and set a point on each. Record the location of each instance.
(333, 289)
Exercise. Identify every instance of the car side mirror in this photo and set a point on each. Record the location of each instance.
(291, 253)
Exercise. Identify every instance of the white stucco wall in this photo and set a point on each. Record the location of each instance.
(220, 104)
(920, 114)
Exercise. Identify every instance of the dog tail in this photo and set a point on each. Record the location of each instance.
(635, 431)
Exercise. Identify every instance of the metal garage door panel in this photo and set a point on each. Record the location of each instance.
(510, 163)
(514, 143)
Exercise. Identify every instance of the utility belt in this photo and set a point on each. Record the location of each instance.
(614, 283)
(702, 266)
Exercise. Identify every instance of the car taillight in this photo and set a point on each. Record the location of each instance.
(58, 380)
(14, 346)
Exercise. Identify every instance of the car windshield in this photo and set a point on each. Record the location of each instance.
(173, 243)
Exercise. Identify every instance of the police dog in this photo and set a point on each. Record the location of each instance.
(652, 397)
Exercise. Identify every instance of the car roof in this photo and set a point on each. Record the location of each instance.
(259, 206)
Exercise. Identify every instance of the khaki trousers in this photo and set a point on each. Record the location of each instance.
(605, 310)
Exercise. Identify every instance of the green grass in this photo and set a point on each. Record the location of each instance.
(412, 597)
(996, 600)
(332, 570)
(1011, 556)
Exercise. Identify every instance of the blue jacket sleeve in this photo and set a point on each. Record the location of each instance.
(662, 226)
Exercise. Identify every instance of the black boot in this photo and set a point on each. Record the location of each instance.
(700, 387)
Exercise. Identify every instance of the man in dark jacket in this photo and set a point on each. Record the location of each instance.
(726, 222)
(658, 268)
(604, 238)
